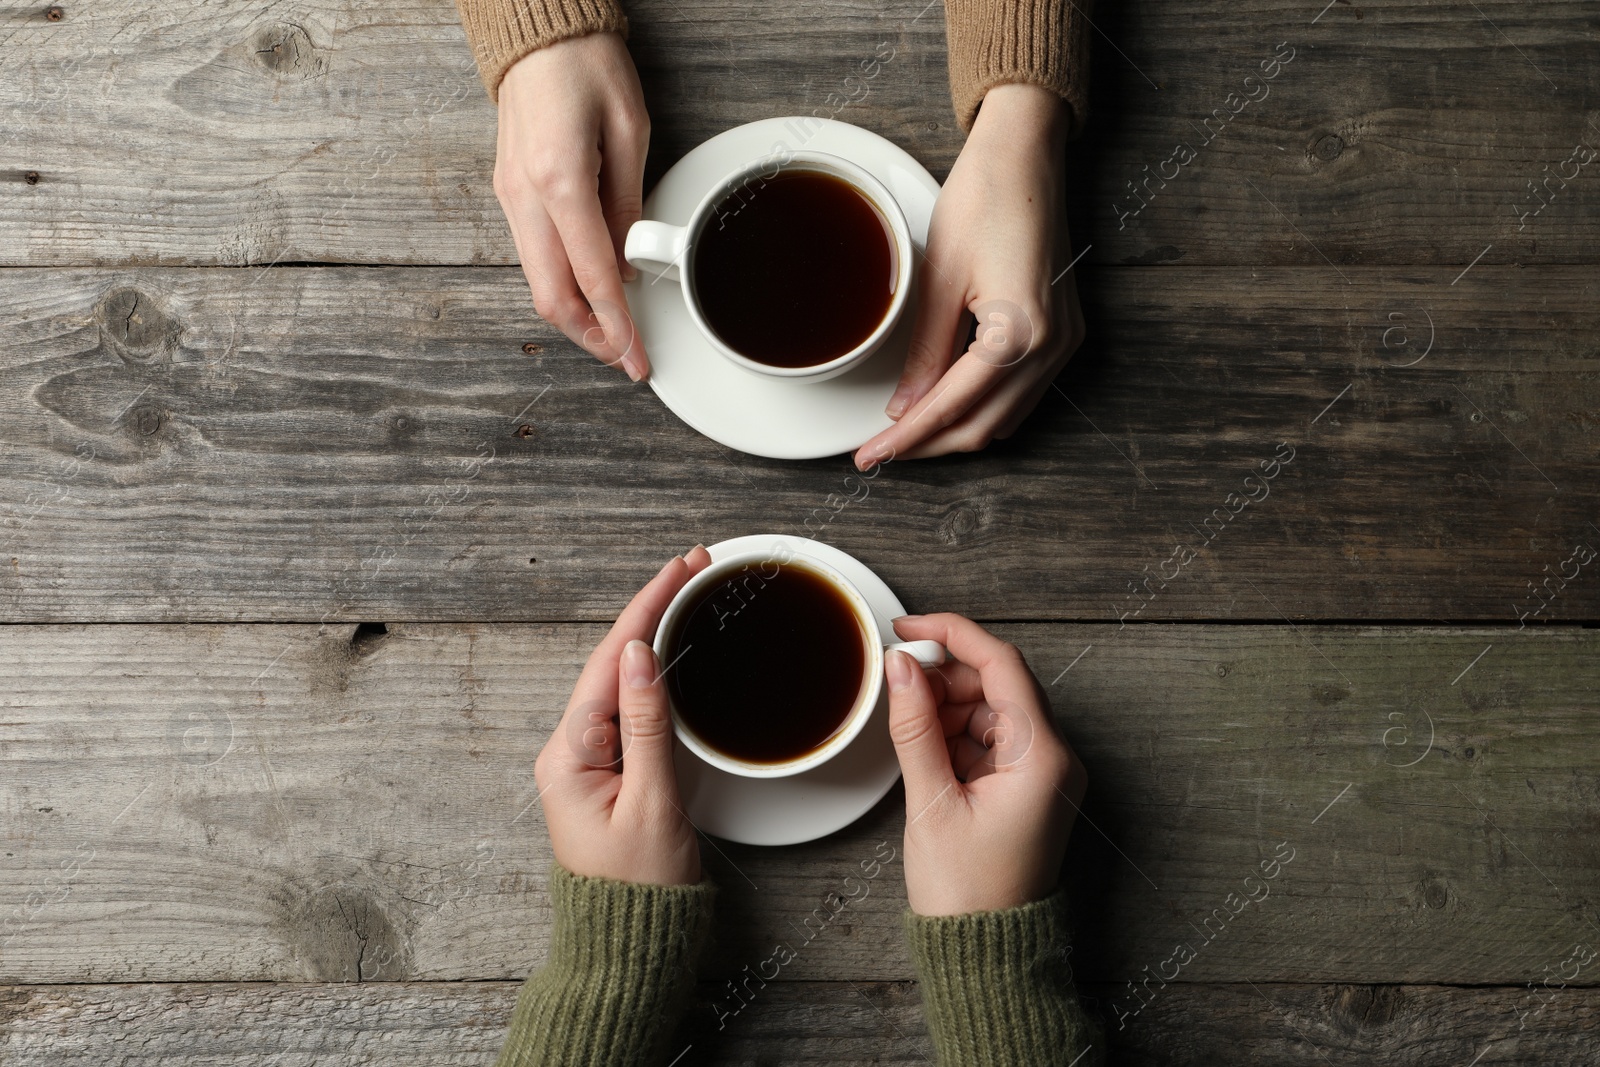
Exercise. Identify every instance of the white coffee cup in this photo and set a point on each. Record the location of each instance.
(667, 251)
(927, 653)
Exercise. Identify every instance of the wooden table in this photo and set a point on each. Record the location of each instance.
(309, 523)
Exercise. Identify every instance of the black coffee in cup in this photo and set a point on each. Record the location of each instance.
(766, 665)
(796, 269)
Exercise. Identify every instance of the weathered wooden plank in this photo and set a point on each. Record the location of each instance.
(293, 1025)
(848, 1023)
(271, 803)
(356, 131)
(1378, 1024)
(1330, 163)
(352, 443)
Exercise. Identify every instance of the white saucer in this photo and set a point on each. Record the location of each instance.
(813, 804)
(769, 417)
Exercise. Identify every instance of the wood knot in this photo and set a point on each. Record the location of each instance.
(146, 419)
(342, 933)
(1328, 147)
(1365, 1007)
(531, 349)
(963, 521)
(133, 325)
(401, 430)
(54, 14)
(31, 177)
(286, 48)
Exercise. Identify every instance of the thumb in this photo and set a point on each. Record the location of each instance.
(645, 722)
(918, 737)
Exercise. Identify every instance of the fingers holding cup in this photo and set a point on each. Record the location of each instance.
(917, 733)
(593, 735)
(645, 726)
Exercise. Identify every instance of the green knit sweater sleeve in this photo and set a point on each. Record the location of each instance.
(621, 965)
(997, 989)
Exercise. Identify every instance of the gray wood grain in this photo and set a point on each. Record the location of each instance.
(850, 1023)
(203, 819)
(356, 131)
(1376, 1024)
(275, 803)
(348, 443)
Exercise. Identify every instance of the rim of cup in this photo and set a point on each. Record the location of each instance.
(876, 194)
(866, 698)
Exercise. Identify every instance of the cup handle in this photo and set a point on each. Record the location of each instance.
(927, 653)
(655, 247)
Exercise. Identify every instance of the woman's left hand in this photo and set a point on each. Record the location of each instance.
(997, 248)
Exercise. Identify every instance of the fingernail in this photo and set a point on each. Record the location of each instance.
(899, 665)
(899, 402)
(697, 545)
(905, 618)
(638, 664)
(873, 455)
(628, 364)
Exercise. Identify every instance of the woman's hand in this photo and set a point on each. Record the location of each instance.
(991, 791)
(606, 776)
(997, 248)
(569, 172)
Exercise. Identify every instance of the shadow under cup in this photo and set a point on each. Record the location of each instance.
(767, 666)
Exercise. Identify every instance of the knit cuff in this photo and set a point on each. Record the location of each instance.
(1037, 42)
(621, 965)
(997, 988)
(503, 31)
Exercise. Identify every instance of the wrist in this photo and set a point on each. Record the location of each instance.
(580, 48)
(1022, 109)
(949, 905)
(939, 891)
(634, 868)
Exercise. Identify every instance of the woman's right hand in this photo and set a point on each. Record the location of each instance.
(569, 173)
(606, 776)
(991, 791)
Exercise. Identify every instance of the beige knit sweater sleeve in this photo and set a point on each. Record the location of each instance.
(992, 42)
